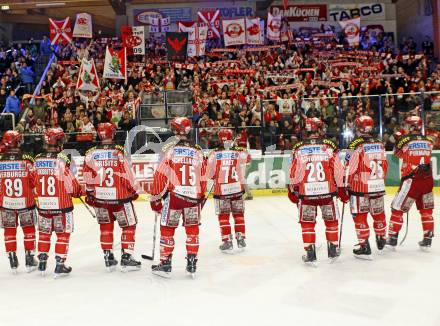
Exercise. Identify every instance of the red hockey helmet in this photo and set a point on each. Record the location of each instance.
(106, 131)
(414, 121)
(12, 139)
(181, 126)
(54, 136)
(364, 124)
(313, 124)
(225, 135)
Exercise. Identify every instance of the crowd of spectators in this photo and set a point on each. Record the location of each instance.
(264, 95)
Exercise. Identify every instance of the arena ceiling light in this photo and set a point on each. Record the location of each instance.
(5, 7)
(50, 4)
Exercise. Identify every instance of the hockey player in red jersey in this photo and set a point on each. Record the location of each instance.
(316, 175)
(226, 166)
(180, 182)
(55, 187)
(17, 199)
(366, 171)
(111, 188)
(416, 184)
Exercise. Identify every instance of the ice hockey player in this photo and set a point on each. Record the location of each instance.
(316, 175)
(55, 187)
(179, 181)
(17, 199)
(416, 184)
(366, 171)
(111, 188)
(226, 166)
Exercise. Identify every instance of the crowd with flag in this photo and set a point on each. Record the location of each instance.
(257, 74)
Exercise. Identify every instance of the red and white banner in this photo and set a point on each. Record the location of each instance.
(159, 25)
(60, 31)
(234, 31)
(88, 77)
(83, 26)
(351, 29)
(301, 13)
(197, 34)
(133, 38)
(212, 19)
(273, 27)
(253, 32)
(115, 65)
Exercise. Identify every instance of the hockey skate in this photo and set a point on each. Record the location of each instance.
(43, 263)
(380, 242)
(13, 261)
(333, 251)
(241, 243)
(110, 261)
(310, 257)
(191, 265)
(391, 242)
(128, 263)
(163, 269)
(364, 251)
(61, 269)
(425, 244)
(227, 246)
(31, 262)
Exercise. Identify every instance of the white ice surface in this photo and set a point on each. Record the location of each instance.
(266, 285)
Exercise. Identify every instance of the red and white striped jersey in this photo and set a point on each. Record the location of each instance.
(367, 166)
(227, 169)
(414, 150)
(55, 183)
(17, 177)
(108, 174)
(181, 171)
(316, 170)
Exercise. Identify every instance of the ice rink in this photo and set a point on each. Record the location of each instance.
(266, 285)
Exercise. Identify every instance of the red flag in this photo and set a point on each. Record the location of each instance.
(212, 19)
(60, 31)
(285, 4)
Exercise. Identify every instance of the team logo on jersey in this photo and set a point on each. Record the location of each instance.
(49, 164)
(226, 156)
(309, 150)
(12, 166)
(372, 148)
(184, 152)
(418, 145)
(104, 155)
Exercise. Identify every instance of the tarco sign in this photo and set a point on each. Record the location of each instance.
(373, 11)
(301, 13)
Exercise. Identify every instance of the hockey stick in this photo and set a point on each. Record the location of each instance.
(88, 208)
(406, 231)
(342, 224)
(154, 239)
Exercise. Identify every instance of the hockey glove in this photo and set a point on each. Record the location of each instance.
(293, 195)
(90, 200)
(343, 194)
(156, 205)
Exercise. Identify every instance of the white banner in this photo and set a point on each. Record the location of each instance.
(351, 29)
(273, 29)
(83, 26)
(139, 33)
(115, 65)
(369, 12)
(253, 32)
(234, 31)
(88, 77)
(197, 36)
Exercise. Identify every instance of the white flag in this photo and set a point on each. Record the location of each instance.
(87, 78)
(83, 26)
(115, 64)
(253, 32)
(159, 25)
(351, 29)
(273, 27)
(234, 31)
(197, 35)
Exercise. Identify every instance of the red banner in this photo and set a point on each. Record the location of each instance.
(301, 13)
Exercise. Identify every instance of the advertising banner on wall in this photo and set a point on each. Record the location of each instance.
(370, 11)
(142, 16)
(301, 13)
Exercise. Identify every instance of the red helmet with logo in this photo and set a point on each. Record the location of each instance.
(313, 124)
(181, 126)
(364, 124)
(225, 135)
(12, 139)
(106, 131)
(414, 121)
(54, 136)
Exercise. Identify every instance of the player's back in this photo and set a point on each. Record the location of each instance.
(313, 167)
(108, 174)
(415, 151)
(367, 166)
(54, 182)
(16, 181)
